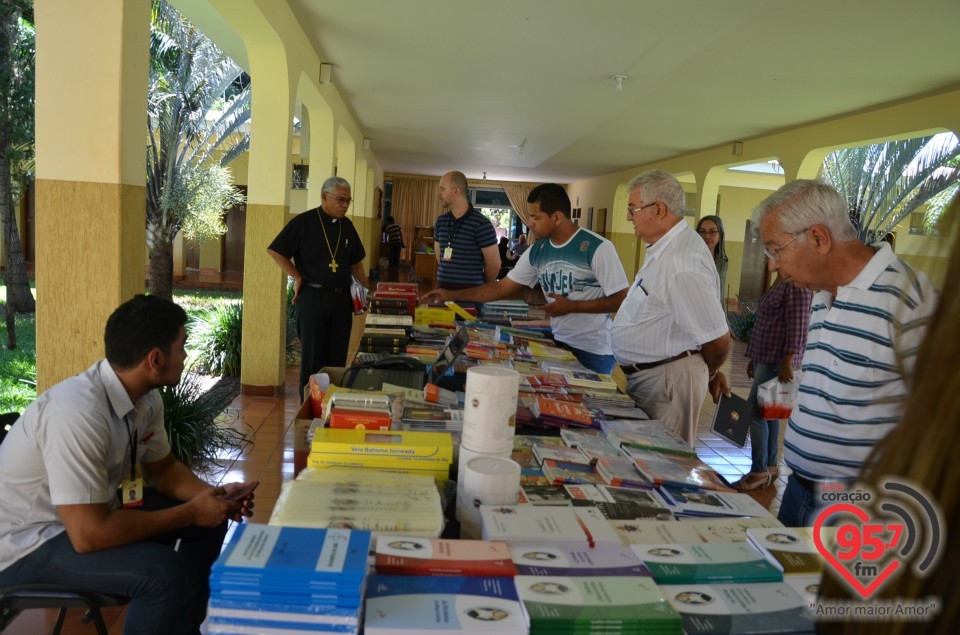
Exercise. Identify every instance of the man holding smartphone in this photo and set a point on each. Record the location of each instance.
(68, 467)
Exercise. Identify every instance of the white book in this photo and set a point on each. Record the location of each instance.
(530, 524)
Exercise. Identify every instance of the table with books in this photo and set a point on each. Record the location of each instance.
(611, 525)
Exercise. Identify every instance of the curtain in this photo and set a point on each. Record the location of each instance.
(517, 194)
(415, 203)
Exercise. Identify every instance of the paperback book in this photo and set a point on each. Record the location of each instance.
(705, 563)
(410, 555)
(739, 609)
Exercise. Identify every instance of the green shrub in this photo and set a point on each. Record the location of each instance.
(741, 324)
(199, 431)
(214, 339)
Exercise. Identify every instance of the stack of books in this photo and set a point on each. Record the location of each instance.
(289, 580)
(427, 418)
(408, 605)
(705, 563)
(739, 609)
(505, 309)
(377, 501)
(558, 561)
(562, 413)
(407, 292)
(412, 452)
(596, 604)
(383, 340)
(591, 380)
(790, 550)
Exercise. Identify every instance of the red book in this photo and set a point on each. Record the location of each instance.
(401, 555)
(359, 419)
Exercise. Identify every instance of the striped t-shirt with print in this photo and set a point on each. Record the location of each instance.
(466, 236)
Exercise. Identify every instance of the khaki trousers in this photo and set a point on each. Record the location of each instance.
(673, 393)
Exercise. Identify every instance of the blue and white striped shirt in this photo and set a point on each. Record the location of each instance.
(861, 347)
(467, 236)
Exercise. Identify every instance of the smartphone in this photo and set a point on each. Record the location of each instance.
(242, 493)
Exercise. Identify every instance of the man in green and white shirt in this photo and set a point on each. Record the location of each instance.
(580, 274)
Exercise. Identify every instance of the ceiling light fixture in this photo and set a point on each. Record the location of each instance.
(619, 81)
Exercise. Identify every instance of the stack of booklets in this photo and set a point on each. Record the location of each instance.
(525, 525)
(790, 550)
(412, 452)
(557, 561)
(667, 470)
(543, 351)
(646, 531)
(739, 609)
(703, 502)
(563, 413)
(381, 502)
(505, 309)
(596, 604)
(409, 555)
(615, 405)
(408, 292)
(381, 320)
(415, 605)
(289, 580)
(705, 563)
(432, 419)
(591, 380)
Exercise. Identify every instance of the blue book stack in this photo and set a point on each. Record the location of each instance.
(271, 580)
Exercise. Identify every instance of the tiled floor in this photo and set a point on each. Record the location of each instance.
(269, 459)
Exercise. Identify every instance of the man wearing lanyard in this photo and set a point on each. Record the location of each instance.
(578, 270)
(321, 250)
(464, 239)
(63, 461)
(670, 335)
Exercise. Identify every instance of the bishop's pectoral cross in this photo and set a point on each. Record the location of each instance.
(333, 265)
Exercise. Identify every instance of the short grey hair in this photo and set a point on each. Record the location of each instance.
(331, 184)
(662, 186)
(804, 203)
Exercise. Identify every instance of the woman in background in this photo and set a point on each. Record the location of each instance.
(775, 351)
(710, 229)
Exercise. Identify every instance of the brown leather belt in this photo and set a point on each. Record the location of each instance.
(629, 369)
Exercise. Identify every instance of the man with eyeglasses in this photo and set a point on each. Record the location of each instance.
(321, 250)
(670, 335)
(868, 316)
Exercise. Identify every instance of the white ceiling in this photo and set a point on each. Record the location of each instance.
(439, 85)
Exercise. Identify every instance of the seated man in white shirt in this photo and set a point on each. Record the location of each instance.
(671, 335)
(578, 270)
(63, 461)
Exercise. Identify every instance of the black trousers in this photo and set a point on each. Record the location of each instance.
(324, 322)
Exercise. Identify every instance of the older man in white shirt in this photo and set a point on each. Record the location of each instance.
(670, 335)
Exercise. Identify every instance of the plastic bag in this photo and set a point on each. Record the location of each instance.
(359, 293)
(776, 399)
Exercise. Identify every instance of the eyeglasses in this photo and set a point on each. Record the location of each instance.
(708, 232)
(631, 210)
(776, 253)
(344, 200)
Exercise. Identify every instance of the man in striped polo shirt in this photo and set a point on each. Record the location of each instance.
(463, 239)
(868, 316)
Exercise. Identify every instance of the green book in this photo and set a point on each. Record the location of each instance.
(706, 563)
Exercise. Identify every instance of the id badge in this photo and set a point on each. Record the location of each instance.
(448, 253)
(132, 492)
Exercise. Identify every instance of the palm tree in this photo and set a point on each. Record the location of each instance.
(884, 183)
(198, 102)
(17, 55)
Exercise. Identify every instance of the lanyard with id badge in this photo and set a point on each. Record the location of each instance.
(131, 489)
(454, 230)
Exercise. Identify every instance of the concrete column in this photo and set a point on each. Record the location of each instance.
(91, 125)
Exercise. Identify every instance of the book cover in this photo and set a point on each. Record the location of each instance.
(422, 445)
(577, 562)
(294, 553)
(791, 550)
(546, 495)
(565, 603)
(739, 609)
(560, 472)
(352, 418)
(407, 555)
(667, 472)
(699, 502)
(621, 472)
(559, 453)
(654, 531)
(525, 523)
(413, 605)
(731, 420)
(705, 563)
